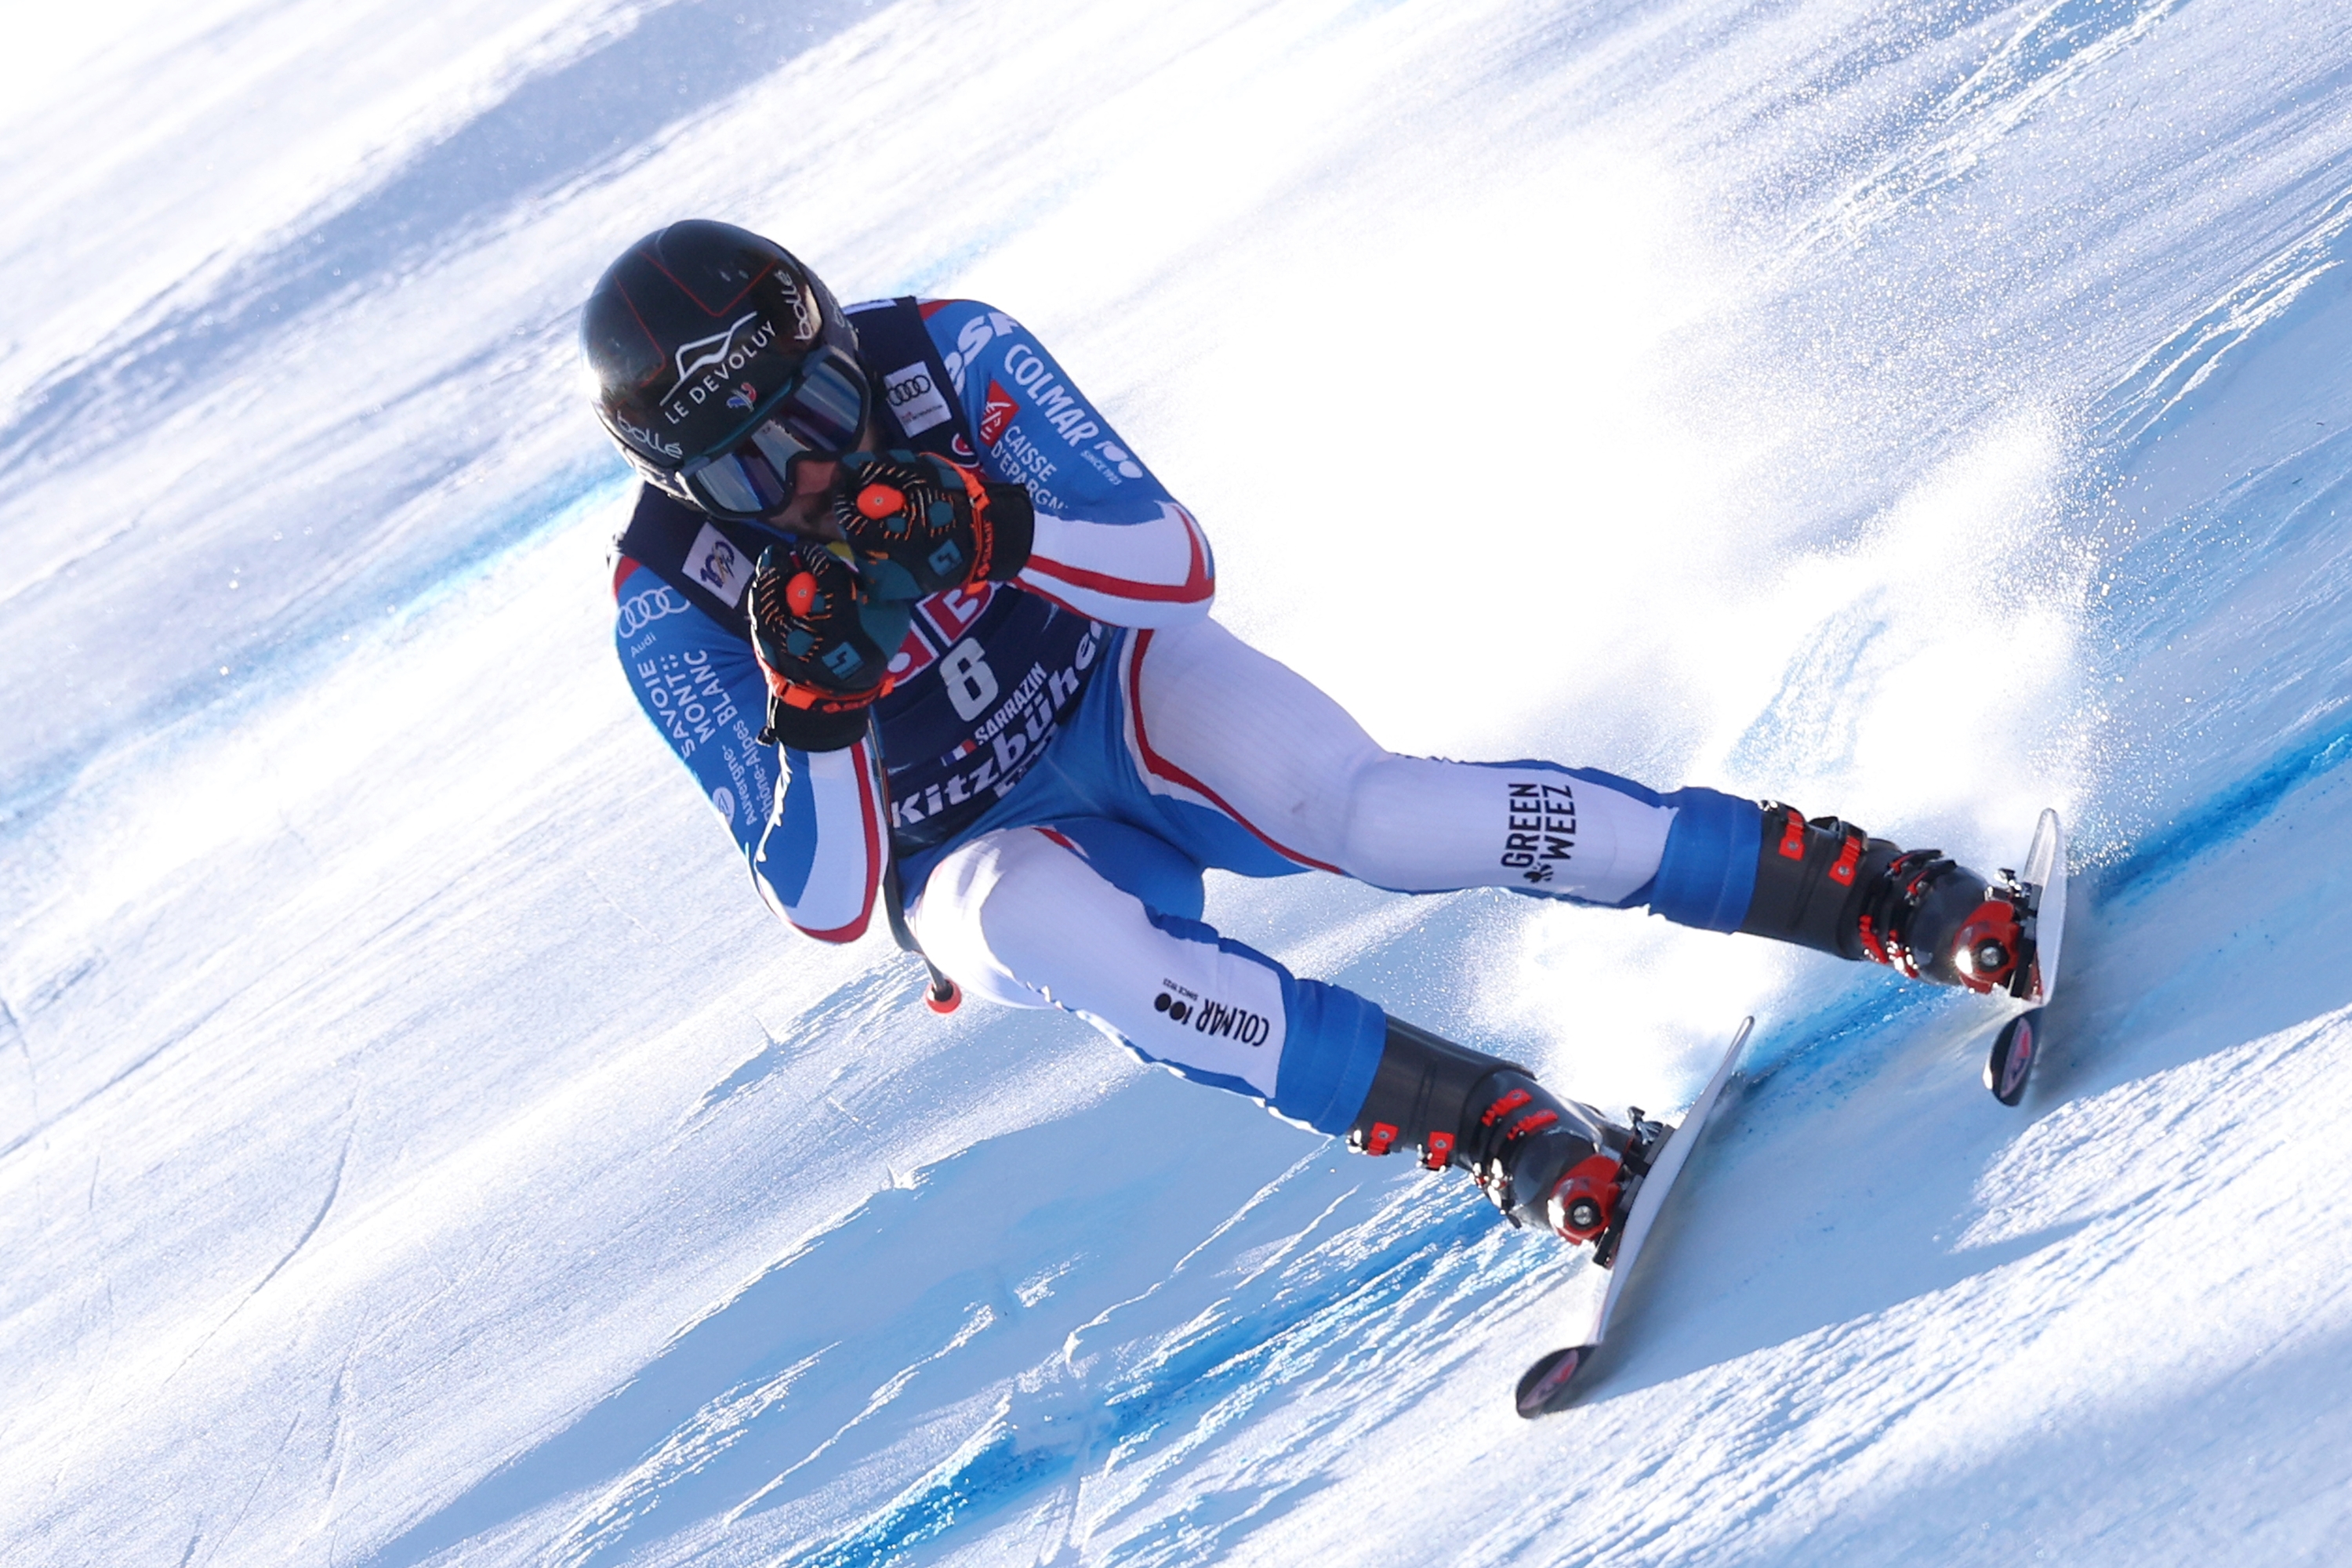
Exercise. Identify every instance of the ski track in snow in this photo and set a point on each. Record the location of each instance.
(418, 1147)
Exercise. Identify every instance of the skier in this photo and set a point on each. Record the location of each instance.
(932, 637)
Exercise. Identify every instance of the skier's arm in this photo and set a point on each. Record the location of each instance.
(811, 835)
(820, 862)
(1111, 543)
(1155, 573)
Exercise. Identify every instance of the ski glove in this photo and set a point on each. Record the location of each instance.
(938, 525)
(824, 640)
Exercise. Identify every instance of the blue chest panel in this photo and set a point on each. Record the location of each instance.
(985, 681)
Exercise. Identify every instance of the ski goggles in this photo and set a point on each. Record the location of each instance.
(818, 414)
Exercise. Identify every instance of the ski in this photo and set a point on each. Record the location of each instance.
(2041, 893)
(1544, 1388)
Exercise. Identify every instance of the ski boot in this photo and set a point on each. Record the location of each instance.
(1540, 1159)
(1827, 885)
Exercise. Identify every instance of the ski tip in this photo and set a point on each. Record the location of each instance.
(2009, 1064)
(1544, 1387)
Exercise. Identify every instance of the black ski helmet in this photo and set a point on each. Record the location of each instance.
(692, 335)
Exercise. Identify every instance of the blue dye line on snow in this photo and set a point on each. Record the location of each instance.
(2225, 817)
(270, 667)
(1203, 1375)
(1828, 1047)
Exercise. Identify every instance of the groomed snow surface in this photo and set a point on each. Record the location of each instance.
(417, 1146)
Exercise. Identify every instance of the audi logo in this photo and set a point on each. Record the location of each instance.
(643, 610)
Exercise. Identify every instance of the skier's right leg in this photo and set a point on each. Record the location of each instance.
(1102, 920)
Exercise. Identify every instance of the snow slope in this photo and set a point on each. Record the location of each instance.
(417, 1146)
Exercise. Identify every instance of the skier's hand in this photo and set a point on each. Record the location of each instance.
(938, 525)
(823, 641)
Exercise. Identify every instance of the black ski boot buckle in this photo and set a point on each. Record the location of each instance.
(1641, 1146)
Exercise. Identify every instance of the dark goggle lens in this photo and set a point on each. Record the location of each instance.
(741, 482)
(820, 414)
(828, 407)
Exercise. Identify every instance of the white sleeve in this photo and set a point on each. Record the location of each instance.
(1153, 574)
(820, 863)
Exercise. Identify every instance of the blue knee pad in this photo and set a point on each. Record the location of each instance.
(1707, 875)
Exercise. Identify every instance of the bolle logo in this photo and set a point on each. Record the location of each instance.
(647, 439)
(642, 610)
(744, 395)
(997, 414)
(805, 320)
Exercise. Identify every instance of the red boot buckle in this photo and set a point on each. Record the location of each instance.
(1533, 1121)
(1584, 1202)
(1505, 1106)
(1848, 858)
(1871, 947)
(1792, 834)
(1988, 944)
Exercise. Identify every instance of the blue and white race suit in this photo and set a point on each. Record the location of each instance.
(1065, 755)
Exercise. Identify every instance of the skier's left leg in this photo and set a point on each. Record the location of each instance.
(1257, 770)
(1103, 919)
